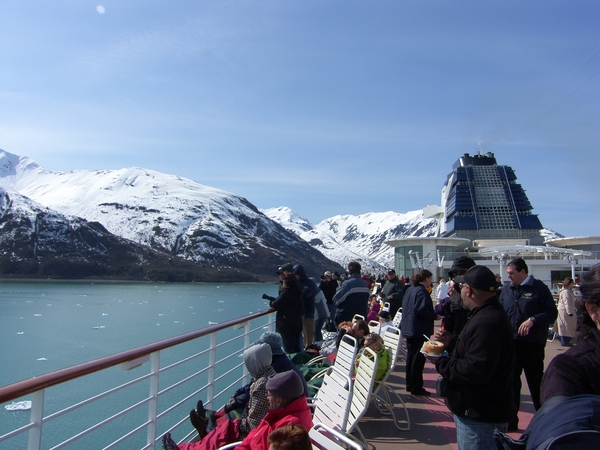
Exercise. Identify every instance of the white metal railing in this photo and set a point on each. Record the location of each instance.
(125, 409)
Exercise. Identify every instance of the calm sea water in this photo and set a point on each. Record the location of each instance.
(46, 326)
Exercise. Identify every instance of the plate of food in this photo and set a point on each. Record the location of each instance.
(434, 349)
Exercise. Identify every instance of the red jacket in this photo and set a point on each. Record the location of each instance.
(296, 412)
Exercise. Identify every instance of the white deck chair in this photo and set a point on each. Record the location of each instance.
(344, 360)
(362, 390)
(357, 316)
(386, 306)
(326, 438)
(332, 403)
(382, 391)
(397, 318)
(374, 326)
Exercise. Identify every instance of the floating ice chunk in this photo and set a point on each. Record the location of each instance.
(210, 322)
(20, 332)
(18, 406)
(99, 327)
(41, 359)
(105, 314)
(37, 315)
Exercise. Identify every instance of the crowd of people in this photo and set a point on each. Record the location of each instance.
(492, 333)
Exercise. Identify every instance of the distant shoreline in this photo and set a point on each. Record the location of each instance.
(109, 281)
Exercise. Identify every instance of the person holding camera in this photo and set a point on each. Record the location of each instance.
(478, 372)
(290, 309)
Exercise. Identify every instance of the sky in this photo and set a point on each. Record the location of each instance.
(327, 107)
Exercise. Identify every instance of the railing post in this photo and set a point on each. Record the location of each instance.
(153, 403)
(247, 328)
(37, 414)
(212, 359)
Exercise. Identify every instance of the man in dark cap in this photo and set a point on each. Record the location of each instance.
(393, 292)
(453, 311)
(478, 372)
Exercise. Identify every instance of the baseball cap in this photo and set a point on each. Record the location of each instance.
(479, 277)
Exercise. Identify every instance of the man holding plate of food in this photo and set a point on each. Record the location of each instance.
(478, 370)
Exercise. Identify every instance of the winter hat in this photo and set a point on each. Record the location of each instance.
(257, 357)
(462, 264)
(285, 385)
(274, 340)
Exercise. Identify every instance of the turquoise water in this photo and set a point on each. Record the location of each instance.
(46, 326)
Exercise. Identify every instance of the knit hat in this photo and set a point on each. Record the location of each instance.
(460, 264)
(274, 340)
(285, 385)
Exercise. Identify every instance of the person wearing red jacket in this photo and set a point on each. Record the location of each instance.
(287, 404)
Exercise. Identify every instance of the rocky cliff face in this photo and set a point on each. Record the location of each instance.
(198, 224)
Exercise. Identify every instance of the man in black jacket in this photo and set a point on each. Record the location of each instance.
(531, 310)
(479, 370)
(393, 292)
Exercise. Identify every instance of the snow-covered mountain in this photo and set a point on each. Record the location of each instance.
(346, 238)
(195, 222)
(38, 242)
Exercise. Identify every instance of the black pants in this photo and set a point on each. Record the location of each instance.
(415, 362)
(529, 357)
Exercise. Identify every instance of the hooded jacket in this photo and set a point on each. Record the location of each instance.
(257, 359)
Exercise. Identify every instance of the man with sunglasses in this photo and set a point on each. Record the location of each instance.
(452, 310)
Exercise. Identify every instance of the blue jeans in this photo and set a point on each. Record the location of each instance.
(475, 435)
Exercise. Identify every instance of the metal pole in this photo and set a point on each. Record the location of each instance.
(153, 403)
(37, 414)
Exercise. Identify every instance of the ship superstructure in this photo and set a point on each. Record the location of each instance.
(482, 200)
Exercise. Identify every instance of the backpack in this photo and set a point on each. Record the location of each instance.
(562, 423)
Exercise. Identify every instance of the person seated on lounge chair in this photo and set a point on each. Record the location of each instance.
(287, 405)
(280, 363)
(226, 430)
(375, 343)
(290, 437)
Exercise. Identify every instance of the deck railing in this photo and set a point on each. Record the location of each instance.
(123, 409)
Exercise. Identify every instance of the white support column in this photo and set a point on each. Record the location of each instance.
(153, 403)
(212, 359)
(34, 441)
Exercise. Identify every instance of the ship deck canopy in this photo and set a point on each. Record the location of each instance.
(503, 252)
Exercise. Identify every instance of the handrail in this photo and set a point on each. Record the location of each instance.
(25, 387)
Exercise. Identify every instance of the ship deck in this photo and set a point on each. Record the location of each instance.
(431, 423)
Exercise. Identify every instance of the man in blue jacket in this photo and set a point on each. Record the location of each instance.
(352, 297)
(531, 310)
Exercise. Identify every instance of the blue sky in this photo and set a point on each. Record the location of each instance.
(328, 107)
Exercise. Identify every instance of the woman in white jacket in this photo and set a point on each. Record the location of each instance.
(567, 319)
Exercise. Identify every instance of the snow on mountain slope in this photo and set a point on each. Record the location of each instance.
(289, 219)
(190, 220)
(346, 238)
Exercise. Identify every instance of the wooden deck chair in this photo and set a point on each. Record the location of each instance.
(332, 403)
(374, 326)
(382, 393)
(362, 390)
(323, 437)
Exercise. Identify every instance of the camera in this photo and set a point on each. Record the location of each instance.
(268, 297)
